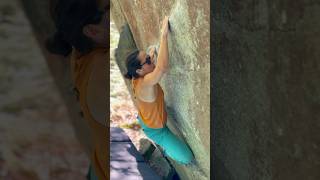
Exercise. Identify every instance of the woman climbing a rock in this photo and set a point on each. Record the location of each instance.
(82, 32)
(149, 97)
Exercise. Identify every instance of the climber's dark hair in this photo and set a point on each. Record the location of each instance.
(132, 64)
(70, 16)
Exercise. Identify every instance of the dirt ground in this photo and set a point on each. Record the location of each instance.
(37, 140)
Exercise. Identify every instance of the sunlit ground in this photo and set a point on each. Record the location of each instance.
(123, 113)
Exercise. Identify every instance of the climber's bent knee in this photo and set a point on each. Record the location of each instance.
(172, 145)
(175, 148)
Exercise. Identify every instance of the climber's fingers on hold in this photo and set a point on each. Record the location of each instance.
(151, 53)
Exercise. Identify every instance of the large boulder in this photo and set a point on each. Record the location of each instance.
(187, 83)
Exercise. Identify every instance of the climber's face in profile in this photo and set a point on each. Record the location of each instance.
(147, 62)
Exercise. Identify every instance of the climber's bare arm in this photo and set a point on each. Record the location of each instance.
(163, 57)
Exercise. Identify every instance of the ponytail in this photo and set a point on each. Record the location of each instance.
(69, 18)
(58, 45)
(132, 64)
(128, 75)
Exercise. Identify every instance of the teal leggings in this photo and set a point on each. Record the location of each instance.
(173, 147)
(91, 174)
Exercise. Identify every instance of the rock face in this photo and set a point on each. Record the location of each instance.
(186, 85)
(266, 89)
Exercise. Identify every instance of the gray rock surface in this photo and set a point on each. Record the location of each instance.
(266, 89)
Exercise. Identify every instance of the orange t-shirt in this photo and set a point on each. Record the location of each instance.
(81, 68)
(153, 114)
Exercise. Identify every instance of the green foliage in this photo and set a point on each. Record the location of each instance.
(135, 125)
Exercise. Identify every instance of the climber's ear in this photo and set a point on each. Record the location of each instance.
(139, 71)
(90, 31)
